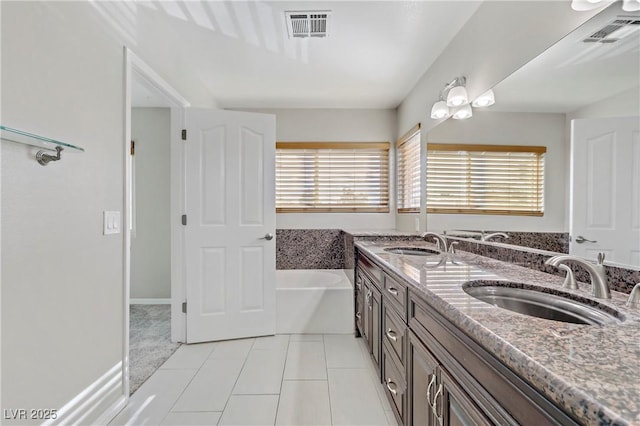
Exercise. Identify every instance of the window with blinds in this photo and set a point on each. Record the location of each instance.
(332, 177)
(408, 171)
(485, 179)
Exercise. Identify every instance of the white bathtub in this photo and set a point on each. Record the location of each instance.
(314, 301)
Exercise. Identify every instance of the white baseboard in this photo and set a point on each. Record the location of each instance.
(98, 404)
(150, 301)
(111, 412)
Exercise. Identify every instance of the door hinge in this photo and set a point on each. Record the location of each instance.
(184, 134)
(184, 307)
(184, 219)
(133, 148)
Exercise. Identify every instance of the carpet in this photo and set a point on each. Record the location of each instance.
(149, 341)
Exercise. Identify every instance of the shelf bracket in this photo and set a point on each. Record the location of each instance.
(44, 158)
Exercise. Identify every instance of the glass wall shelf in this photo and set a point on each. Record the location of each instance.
(14, 135)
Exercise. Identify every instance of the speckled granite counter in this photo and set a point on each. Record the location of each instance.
(590, 371)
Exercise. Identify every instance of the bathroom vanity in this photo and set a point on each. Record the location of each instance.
(446, 357)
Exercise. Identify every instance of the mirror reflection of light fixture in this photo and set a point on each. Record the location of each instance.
(484, 100)
(463, 113)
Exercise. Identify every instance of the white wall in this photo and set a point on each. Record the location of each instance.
(497, 40)
(502, 128)
(620, 105)
(151, 239)
(62, 280)
(336, 125)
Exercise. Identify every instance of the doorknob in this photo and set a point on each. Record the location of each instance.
(268, 236)
(580, 239)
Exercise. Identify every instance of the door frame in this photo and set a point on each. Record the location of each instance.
(134, 66)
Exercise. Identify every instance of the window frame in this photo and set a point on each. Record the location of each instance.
(402, 177)
(365, 146)
(540, 152)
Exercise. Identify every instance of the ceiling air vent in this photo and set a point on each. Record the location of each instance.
(614, 31)
(311, 23)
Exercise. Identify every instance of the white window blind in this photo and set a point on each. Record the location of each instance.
(408, 171)
(485, 179)
(332, 177)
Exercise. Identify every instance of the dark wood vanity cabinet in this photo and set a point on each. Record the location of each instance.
(394, 336)
(433, 373)
(436, 397)
(369, 307)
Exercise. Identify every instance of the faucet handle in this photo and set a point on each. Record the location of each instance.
(570, 279)
(634, 297)
(600, 258)
(452, 248)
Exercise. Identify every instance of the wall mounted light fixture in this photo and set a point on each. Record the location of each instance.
(454, 96)
(582, 5)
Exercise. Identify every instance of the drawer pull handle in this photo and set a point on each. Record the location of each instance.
(392, 291)
(431, 383)
(392, 389)
(392, 335)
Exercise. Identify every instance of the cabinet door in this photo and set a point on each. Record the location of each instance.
(422, 383)
(359, 303)
(454, 407)
(376, 326)
(367, 313)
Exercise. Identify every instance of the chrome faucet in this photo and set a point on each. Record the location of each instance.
(597, 273)
(634, 297)
(441, 241)
(487, 237)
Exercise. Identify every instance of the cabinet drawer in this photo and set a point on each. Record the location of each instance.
(397, 293)
(368, 266)
(394, 385)
(394, 332)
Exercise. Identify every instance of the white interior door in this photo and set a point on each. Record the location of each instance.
(230, 207)
(605, 199)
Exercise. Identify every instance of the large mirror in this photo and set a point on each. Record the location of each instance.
(571, 99)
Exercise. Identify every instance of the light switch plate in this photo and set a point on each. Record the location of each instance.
(111, 222)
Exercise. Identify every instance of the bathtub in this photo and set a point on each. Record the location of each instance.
(314, 301)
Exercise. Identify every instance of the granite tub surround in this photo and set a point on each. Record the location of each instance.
(376, 235)
(551, 241)
(589, 371)
(309, 249)
(620, 279)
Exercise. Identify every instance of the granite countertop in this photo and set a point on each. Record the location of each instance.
(590, 371)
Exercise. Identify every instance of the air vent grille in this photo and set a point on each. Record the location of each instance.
(301, 24)
(614, 31)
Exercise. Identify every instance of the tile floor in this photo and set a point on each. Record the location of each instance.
(278, 380)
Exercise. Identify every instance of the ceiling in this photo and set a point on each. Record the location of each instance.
(240, 53)
(572, 74)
